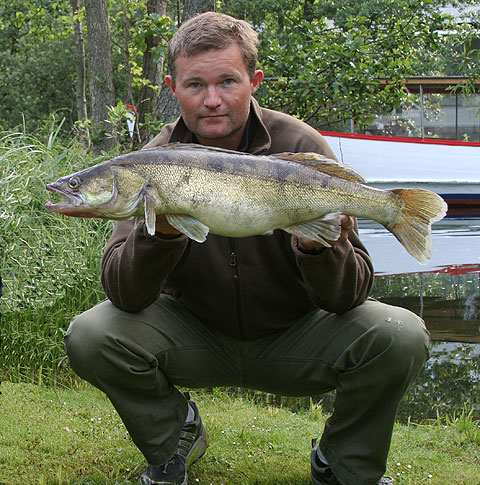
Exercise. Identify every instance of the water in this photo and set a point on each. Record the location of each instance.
(446, 291)
(446, 294)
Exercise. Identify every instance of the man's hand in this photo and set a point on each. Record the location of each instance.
(164, 228)
(346, 226)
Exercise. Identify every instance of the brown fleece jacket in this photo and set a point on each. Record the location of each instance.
(248, 287)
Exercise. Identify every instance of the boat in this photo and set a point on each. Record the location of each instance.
(449, 168)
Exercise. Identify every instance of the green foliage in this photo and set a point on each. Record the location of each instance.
(131, 25)
(329, 68)
(49, 263)
(326, 56)
(35, 81)
(44, 21)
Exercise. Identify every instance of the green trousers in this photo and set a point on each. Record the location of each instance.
(369, 355)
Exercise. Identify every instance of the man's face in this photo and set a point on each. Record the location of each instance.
(213, 89)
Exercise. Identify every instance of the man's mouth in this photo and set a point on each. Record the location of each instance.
(213, 116)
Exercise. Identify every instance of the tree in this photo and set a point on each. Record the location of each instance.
(152, 69)
(35, 68)
(82, 114)
(100, 72)
(167, 107)
(324, 61)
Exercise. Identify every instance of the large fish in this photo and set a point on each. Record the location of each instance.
(203, 189)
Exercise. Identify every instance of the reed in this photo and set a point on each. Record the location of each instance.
(49, 263)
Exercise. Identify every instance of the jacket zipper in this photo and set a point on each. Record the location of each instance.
(236, 281)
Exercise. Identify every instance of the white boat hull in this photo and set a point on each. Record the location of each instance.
(451, 169)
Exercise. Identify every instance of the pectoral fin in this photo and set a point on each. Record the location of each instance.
(326, 227)
(150, 215)
(189, 226)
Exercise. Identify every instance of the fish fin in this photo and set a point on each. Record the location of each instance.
(320, 162)
(150, 215)
(319, 230)
(421, 208)
(189, 226)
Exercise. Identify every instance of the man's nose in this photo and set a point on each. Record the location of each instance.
(212, 98)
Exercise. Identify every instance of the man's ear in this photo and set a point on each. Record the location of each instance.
(256, 80)
(170, 83)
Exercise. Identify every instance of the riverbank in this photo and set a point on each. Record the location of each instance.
(52, 435)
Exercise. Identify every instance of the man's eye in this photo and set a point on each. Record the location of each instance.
(194, 85)
(228, 81)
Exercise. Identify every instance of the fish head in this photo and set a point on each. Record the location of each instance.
(88, 193)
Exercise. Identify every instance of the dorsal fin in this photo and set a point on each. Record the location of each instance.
(320, 162)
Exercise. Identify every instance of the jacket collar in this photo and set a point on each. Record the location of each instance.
(259, 143)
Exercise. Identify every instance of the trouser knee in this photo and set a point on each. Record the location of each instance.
(83, 341)
(406, 336)
(395, 334)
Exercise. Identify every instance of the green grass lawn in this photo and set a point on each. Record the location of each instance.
(59, 436)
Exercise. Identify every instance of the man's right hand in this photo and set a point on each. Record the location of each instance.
(163, 228)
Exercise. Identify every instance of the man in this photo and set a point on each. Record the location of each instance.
(274, 313)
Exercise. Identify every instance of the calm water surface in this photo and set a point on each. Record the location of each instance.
(446, 294)
(446, 291)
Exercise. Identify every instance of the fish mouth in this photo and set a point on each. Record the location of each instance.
(74, 201)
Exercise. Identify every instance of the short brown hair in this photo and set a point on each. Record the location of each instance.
(213, 30)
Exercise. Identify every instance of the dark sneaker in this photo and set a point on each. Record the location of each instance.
(191, 446)
(322, 474)
(174, 472)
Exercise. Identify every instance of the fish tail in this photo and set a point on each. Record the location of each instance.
(421, 208)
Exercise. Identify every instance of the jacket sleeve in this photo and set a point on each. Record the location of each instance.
(135, 265)
(338, 278)
(341, 277)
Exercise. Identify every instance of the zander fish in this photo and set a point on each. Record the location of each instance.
(203, 189)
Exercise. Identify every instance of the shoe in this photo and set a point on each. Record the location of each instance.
(322, 474)
(191, 447)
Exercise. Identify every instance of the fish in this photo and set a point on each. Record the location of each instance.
(203, 190)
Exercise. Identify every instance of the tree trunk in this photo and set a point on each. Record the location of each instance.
(151, 71)
(82, 114)
(167, 108)
(194, 7)
(101, 73)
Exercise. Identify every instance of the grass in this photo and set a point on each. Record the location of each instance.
(74, 436)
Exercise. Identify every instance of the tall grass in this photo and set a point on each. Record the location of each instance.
(49, 263)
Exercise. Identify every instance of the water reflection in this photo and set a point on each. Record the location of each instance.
(446, 294)
(449, 383)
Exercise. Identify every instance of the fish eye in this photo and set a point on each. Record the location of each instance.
(74, 182)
